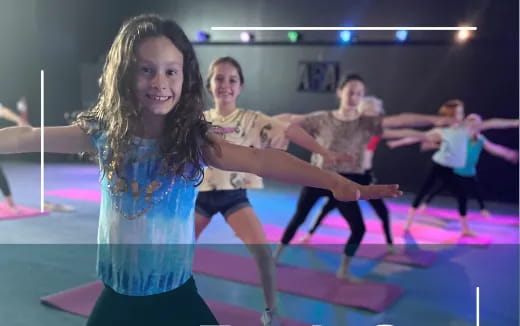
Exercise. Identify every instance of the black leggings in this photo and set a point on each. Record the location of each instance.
(471, 186)
(349, 210)
(181, 306)
(4, 185)
(445, 175)
(378, 205)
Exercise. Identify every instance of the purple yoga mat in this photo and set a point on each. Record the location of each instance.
(414, 257)
(374, 296)
(81, 300)
(23, 212)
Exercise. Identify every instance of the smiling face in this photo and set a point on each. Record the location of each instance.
(158, 75)
(225, 83)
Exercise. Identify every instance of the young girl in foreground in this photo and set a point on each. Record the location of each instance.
(152, 142)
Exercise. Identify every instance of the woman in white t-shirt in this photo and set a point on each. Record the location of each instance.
(452, 154)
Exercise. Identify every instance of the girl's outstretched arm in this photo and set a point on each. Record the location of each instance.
(25, 139)
(299, 136)
(503, 152)
(410, 136)
(284, 167)
(430, 146)
(414, 120)
(290, 118)
(402, 133)
(8, 114)
(405, 141)
(498, 123)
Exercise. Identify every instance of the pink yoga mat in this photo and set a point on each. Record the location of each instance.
(452, 214)
(421, 233)
(7, 214)
(81, 300)
(93, 196)
(414, 257)
(374, 296)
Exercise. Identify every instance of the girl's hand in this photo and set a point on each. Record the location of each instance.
(345, 190)
(512, 157)
(380, 191)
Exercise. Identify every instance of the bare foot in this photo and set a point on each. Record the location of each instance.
(421, 208)
(392, 250)
(468, 233)
(485, 213)
(12, 206)
(277, 252)
(347, 277)
(407, 225)
(409, 219)
(306, 238)
(270, 318)
(14, 210)
(58, 207)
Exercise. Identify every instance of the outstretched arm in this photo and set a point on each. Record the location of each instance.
(406, 141)
(6, 113)
(299, 136)
(25, 139)
(284, 167)
(402, 133)
(415, 120)
(430, 145)
(431, 138)
(290, 118)
(503, 152)
(497, 123)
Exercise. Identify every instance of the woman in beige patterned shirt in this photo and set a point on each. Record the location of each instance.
(344, 130)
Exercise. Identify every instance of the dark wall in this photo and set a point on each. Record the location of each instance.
(19, 59)
(72, 37)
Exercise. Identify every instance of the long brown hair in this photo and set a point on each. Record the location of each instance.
(118, 113)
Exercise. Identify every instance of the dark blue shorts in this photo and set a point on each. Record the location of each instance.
(225, 202)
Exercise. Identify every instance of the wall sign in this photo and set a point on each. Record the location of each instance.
(319, 76)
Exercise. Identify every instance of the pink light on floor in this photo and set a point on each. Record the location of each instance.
(452, 214)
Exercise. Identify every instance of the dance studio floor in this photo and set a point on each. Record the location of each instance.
(42, 255)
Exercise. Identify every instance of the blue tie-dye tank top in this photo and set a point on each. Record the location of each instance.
(146, 225)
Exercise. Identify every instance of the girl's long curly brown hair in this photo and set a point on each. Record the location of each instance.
(118, 113)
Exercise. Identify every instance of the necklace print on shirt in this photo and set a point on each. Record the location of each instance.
(231, 123)
(144, 182)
